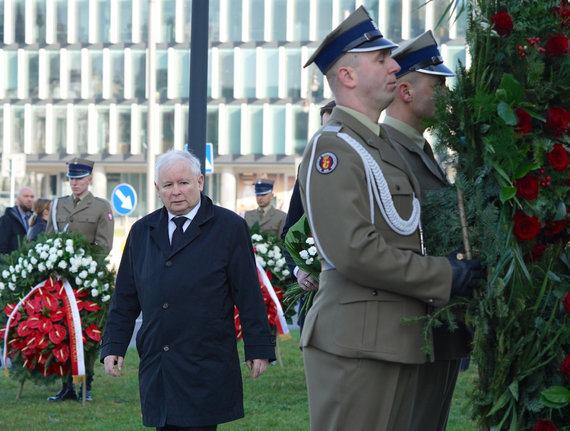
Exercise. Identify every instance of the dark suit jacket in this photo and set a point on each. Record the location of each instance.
(447, 345)
(189, 367)
(12, 230)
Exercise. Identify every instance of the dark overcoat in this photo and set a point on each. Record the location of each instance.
(189, 372)
(12, 230)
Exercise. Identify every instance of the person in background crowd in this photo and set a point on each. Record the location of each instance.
(92, 217)
(421, 76)
(185, 266)
(14, 222)
(295, 212)
(38, 221)
(269, 218)
(362, 363)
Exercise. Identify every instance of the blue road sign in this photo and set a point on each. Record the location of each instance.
(209, 162)
(124, 199)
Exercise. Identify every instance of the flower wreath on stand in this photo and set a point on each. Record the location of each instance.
(55, 294)
(505, 128)
(272, 272)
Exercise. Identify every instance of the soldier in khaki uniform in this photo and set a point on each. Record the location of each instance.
(81, 212)
(423, 73)
(269, 218)
(362, 364)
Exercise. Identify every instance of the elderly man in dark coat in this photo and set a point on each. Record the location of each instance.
(189, 371)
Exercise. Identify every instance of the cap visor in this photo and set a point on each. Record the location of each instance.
(375, 45)
(438, 69)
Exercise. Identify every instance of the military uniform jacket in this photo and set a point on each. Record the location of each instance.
(92, 217)
(271, 222)
(447, 345)
(372, 277)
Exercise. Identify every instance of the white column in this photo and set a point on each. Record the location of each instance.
(136, 20)
(245, 134)
(28, 21)
(64, 73)
(406, 14)
(72, 21)
(135, 129)
(7, 128)
(93, 21)
(92, 136)
(43, 74)
(28, 128)
(113, 129)
(85, 75)
(178, 127)
(3, 74)
(223, 132)
(268, 20)
(179, 20)
(71, 144)
(99, 184)
(50, 129)
(8, 24)
(289, 129)
(238, 73)
(383, 16)
(107, 73)
(246, 21)
(430, 16)
(228, 188)
(224, 27)
(50, 22)
(314, 18)
(290, 28)
(23, 74)
(115, 20)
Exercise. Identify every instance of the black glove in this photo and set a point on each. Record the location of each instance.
(467, 274)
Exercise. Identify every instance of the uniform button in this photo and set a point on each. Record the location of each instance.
(165, 305)
(168, 263)
(397, 187)
(374, 293)
(166, 348)
(70, 220)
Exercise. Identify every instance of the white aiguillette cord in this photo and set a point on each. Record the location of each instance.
(378, 191)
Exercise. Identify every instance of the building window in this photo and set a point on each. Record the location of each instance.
(54, 87)
(279, 20)
(248, 72)
(167, 128)
(104, 21)
(38, 128)
(234, 128)
(227, 72)
(39, 21)
(82, 21)
(18, 127)
(277, 114)
(271, 70)
(301, 120)
(214, 22)
(212, 125)
(234, 23)
(60, 129)
(74, 63)
(143, 19)
(294, 69)
(81, 129)
(188, 20)
(126, 21)
(33, 74)
(96, 73)
(255, 124)
(301, 20)
(168, 21)
(181, 86)
(139, 72)
(1, 29)
(394, 20)
(11, 89)
(103, 129)
(257, 20)
(324, 18)
(162, 73)
(118, 74)
(417, 18)
(18, 10)
(124, 132)
(142, 129)
(61, 21)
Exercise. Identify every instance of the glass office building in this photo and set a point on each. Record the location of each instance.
(73, 81)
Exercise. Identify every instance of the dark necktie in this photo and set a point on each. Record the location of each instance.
(178, 232)
(76, 202)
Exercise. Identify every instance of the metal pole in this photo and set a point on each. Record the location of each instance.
(152, 117)
(198, 80)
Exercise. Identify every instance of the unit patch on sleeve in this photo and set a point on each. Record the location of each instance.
(326, 163)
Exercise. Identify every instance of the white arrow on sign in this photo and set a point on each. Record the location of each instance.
(126, 201)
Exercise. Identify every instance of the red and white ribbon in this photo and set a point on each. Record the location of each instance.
(281, 323)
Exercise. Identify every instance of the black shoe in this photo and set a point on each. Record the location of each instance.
(67, 393)
(88, 396)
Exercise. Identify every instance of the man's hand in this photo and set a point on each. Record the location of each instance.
(306, 281)
(256, 366)
(110, 362)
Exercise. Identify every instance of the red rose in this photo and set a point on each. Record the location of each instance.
(563, 13)
(527, 187)
(554, 227)
(537, 251)
(565, 367)
(558, 157)
(526, 227)
(557, 46)
(502, 23)
(524, 125)
(566, 302)
(544, 425)
(557, 120)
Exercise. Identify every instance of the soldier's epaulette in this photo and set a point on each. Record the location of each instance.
(334, 128)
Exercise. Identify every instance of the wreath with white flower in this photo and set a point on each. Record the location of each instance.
(33, 281)
(268, 251)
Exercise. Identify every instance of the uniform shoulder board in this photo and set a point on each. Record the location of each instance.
(334, 128)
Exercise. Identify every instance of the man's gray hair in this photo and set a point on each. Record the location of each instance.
(169, 158)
